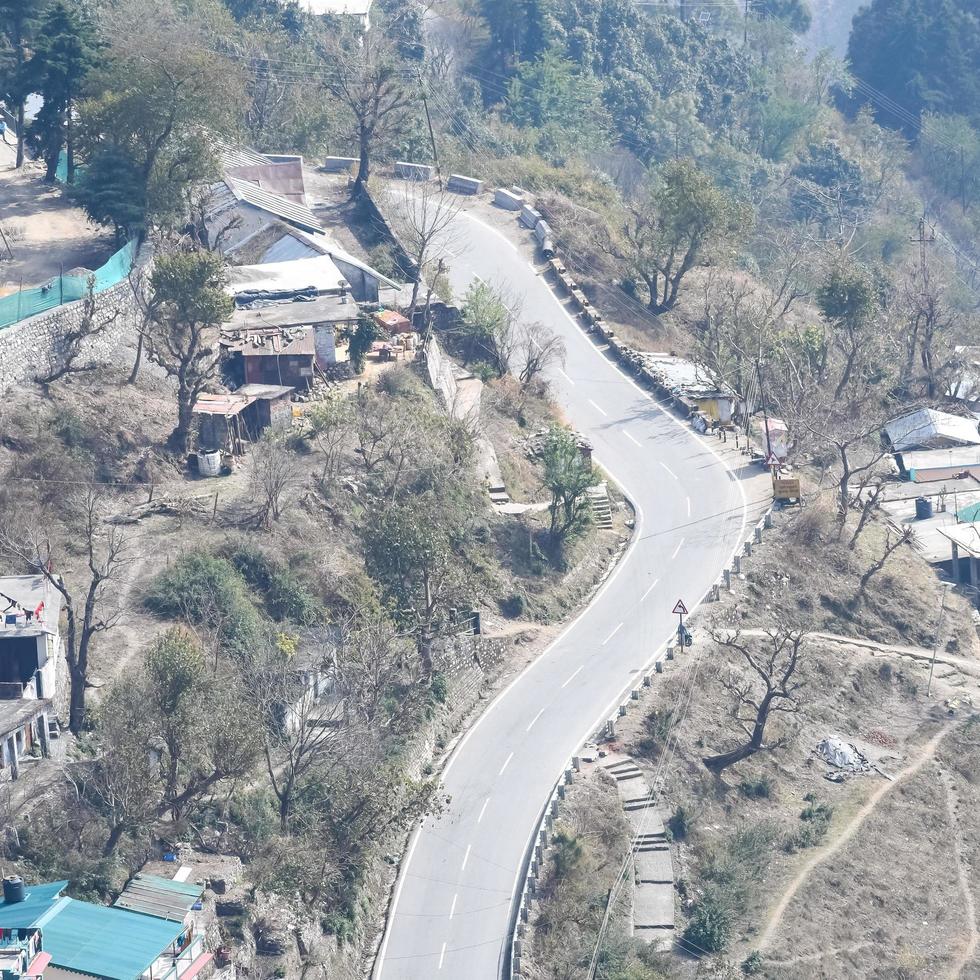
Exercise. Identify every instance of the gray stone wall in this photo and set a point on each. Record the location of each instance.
(36, 346)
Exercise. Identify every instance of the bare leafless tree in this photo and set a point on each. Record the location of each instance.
(768, 683)
(366, 74)
(892, 543)
(424, 217)
(275, 470)
(88, 606)
(306, 729)
(331, 427)
(538, 350)
(96, 316)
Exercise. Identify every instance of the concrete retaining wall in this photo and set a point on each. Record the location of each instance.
(440, 374)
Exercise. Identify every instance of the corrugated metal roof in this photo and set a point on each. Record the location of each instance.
(221, 404)
(288, 249)
(926, 425)
(159, 896)
(297, 214)
(106, 942)
(238, 156)
(283, 177)
(38, 899)
(92, 939)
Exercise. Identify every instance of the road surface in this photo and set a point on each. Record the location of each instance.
(451, 910)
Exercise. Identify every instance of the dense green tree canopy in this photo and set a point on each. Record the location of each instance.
(922, 55)
(65, 52)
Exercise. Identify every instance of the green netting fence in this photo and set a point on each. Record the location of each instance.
(66, 288)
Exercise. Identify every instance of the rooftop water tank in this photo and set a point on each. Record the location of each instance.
(13, 889)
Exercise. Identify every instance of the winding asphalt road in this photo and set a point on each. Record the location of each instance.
(451, 910)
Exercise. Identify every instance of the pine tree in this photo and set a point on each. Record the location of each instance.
(19, 21)
(65, 51)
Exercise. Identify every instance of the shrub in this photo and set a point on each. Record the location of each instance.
(752, 964)
(757, 789)
(680, 822)
(287, 594)
(439, 688)
(815, 823)
(710, 927)
(566, 852)
(207, 591)
(513, 606)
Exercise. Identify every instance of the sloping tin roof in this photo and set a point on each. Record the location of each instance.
(239, 156)
(283, 177)
(162, 897)
(38, 899)
(296, 214)
(91, 939)
(318, 273)
(105, 942)
(921, 427)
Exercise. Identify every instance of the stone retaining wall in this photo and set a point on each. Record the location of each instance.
(36, 346)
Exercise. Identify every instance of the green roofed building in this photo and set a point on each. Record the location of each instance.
(83, 940)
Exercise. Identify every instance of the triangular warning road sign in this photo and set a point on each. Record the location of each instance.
(680, 609)
(772, 460)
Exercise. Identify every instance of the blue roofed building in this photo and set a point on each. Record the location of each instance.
(149, 935)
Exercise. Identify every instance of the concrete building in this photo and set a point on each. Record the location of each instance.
(358, 10)
(30, 653)
(964, 541)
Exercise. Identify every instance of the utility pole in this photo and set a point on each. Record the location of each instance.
(935, 645)
(765, 409)
(745, 25)
(432, 135)
(922, 240)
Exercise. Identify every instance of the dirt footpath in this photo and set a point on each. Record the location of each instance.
(47, 235)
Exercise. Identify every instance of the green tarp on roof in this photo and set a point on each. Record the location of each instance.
(970, 514)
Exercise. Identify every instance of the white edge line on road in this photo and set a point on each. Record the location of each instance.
(599, 410)
(534, 719)
(492, 230)
(442, 955)
(649, 590)
(534, 268)
(503, 767)
(483, 809)
(623, 562)
(612, 634)
(452, 908)
(688, 506)
(578, 670)
(566, 377)
(632, 439)
(677, 550)
(479, 279)
(669, 470)
(466, 858)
